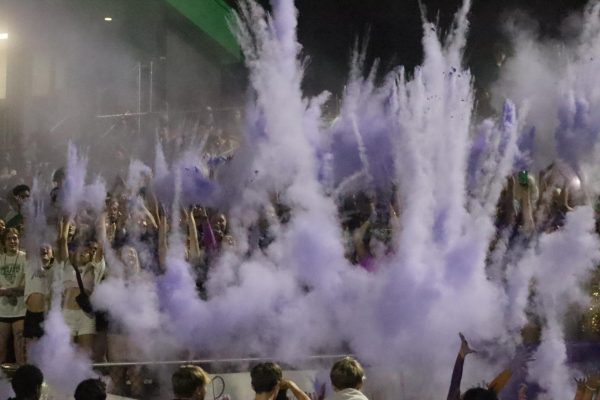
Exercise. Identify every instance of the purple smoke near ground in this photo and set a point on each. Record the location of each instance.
(62, 364)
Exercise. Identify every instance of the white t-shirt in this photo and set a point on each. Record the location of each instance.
(70, 278)
(12, 275)
(40, 280)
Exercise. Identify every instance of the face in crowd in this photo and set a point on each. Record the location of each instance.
(22, 197)
(47, 255)
(113, 211)
(85, 254)
(129, 257)
(219, 225)
(71, 230)
(11, 241)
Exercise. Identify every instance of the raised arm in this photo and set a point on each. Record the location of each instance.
(358, 238)
(583, 391)
(195, 251)
(63, 240)
(102, 238)
(162, 241)
(150, 219)
(209, 241)
(296, 391)
(454, 391)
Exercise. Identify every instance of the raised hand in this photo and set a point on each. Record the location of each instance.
(320, 395)
(464, 346)
(522, 393)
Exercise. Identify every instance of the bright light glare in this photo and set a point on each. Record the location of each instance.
(108, 19)
(3, 36)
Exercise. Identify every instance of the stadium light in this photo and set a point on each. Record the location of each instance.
(4, 36)
(108, 19)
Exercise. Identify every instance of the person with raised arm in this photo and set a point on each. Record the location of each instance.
(454, 391)
(267, 381)
(163, 232)
(195, 254)
(83, 269)
(477, 393)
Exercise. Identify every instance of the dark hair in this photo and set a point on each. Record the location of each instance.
(20, 189)
(27, 381)
(187, 379)
(480, 394)
(59, 175)
(91, 389)
(346, 373)
(265, 376)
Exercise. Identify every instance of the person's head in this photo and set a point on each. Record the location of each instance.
(2, 226)
(21, 194)
(71, 229)
(265, 377)
(11, 240)
(189, 382)
(27, 382)
(85, 253)
(129, 257)
(91, 389)
(228, 242)
(59, 177)
(479, 394)
(219, 225)
(347, 373)
(113, 210)
(364, 205)
(46, 255)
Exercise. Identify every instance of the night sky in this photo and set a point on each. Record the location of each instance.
(329, 28)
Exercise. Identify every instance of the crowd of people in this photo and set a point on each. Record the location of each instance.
(347, 378)
(135, 226)
(190, 382)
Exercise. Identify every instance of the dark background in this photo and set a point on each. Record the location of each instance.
(328, 30)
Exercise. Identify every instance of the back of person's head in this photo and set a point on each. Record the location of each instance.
(20, 189)
(59, 176)
(189, 380)
(265, 376)
(347, 373)
(27, 382)
(91, 389)
(480, 394)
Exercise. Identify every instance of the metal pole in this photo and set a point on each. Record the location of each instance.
(212, 361)
(151, 83)
(139, 110)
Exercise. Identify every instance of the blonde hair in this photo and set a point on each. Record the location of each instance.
(187, 379)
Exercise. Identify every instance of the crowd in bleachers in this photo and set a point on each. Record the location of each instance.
(136, 227)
